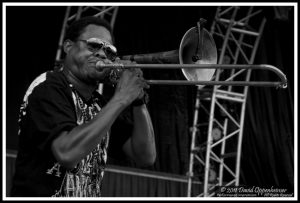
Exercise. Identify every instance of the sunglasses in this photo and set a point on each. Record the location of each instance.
(95, 45)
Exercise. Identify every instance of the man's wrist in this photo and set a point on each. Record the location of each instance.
(138, 102)
(141, 101)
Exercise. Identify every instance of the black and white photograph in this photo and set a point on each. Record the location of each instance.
(149, 101)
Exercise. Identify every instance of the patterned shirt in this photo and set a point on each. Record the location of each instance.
(52, 105)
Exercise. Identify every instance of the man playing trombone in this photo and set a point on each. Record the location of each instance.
(66, 127)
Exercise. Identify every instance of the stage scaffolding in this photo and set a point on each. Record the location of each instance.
(216, 140)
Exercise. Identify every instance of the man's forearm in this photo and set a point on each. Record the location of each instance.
(143, 140)
(71, 147)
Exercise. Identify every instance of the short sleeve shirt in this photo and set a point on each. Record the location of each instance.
(50, 106)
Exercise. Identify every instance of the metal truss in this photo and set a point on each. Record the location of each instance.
(215, 161)
(108, 13)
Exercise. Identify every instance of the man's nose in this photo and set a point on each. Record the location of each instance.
(100, 54)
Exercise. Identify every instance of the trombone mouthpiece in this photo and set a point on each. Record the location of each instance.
(101, 65)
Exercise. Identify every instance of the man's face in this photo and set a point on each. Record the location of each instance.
(81, 61)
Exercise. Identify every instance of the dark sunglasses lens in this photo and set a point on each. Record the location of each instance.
(110, 54)
(94, 46)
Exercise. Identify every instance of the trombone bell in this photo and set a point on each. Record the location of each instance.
(187, 49)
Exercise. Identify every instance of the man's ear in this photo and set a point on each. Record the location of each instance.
(67, 45)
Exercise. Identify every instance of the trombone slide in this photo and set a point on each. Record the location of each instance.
(280, 74)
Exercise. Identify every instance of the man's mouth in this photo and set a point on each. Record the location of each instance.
(100, 65)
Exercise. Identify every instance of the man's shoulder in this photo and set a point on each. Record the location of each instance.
(47, 82)
(56, 78)
(49, 78)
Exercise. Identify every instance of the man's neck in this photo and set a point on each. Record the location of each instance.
(83, 88)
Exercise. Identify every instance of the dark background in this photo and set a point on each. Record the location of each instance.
(32, 35)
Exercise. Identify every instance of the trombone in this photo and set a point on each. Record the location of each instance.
(197, 58)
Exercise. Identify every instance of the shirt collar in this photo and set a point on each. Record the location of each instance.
(85, 91)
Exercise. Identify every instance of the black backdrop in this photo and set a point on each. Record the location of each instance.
(268, 156)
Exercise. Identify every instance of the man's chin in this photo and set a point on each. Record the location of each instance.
(99, 76)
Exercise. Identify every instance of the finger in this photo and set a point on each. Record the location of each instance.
(139, 72)
(145, 84)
